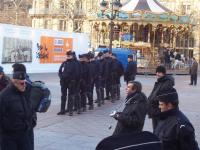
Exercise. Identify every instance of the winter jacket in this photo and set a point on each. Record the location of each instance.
(162, 84)
(130, 72)
(131, 119)
(16, 111)
(175, 131)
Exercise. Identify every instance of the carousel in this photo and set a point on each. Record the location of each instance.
(153, 31)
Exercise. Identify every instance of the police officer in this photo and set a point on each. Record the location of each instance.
(69, 77)
(118, 71)
(174, 128)
(107, 73)
(64, 87)
(92, 74)
(131, 70)
(99, 80)
(16, 115)
(84, 81)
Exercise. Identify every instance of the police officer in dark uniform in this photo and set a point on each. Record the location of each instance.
(84, 81)
(69, 77)
(92, 74)
(99, 80)
(131, 70)
(119, 71)
(16, 115)
(107, 73)
(64, 87)
(174, 128)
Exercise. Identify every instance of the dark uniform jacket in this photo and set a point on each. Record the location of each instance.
(16, 112)
(107, 68)
(175, 131)
(162, 84)
(131, 119)
(130, 71)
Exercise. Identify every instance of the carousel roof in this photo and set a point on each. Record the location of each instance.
(152, 6)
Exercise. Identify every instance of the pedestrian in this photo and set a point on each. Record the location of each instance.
(22, 68)
(64, 88)
(193, 72)
(131, 70)
(174, 129)
(99, 80)
(17, 116)
(164, 82)
(107, 73)
(131, 119)
(4, 80)
(118, 71)
(69, 74)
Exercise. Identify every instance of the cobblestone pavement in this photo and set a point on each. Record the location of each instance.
(83, 132)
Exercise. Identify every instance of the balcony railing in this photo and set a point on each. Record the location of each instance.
(51, 11)
(46, 11)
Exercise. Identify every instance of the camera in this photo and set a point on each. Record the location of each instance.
(113, 113)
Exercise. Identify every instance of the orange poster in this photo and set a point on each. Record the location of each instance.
(53, 49)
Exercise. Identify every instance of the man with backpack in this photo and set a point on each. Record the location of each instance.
(17, 116)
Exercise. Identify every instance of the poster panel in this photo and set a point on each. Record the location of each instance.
(53, 49)
(16, 50)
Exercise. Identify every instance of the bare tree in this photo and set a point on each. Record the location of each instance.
(15, 12)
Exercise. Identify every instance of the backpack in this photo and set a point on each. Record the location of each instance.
(40, 96)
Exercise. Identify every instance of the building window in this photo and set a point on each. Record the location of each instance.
(46, 4)
(47, 24)
(62, 25)
(186, 9)
(62, 4)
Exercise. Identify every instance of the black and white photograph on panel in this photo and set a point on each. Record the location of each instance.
(16, 50)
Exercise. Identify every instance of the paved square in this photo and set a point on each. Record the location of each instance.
(83, 132)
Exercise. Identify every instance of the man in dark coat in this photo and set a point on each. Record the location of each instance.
(119, 70)
(16, 115)
(131, 70)
(107, 73)
(99, 80)
(164, 82)
(174, 128)
(193, 72)
(131, 119)
(69, 74)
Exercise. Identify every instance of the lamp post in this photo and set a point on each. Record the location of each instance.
(113, 9)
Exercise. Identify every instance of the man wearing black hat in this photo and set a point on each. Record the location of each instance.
(117, 72)
(16, 115)
(131, 70)
(164, 82)
(107, 73)
(99, 80)
(174, 128)
(69, 74)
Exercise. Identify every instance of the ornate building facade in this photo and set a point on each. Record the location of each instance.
(79, 16)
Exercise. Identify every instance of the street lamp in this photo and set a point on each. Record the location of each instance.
(113, 8)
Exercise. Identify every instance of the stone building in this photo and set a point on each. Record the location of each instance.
(76, 15)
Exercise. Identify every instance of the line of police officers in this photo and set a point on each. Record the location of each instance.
(79, 77)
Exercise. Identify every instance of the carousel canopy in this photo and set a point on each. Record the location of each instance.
(152, 6)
